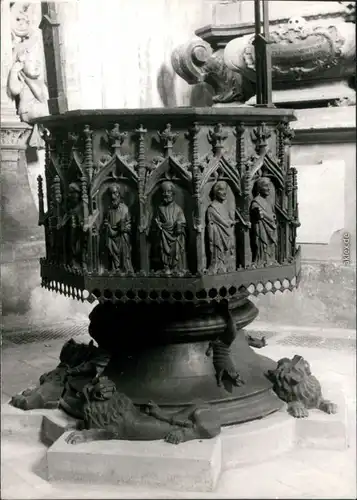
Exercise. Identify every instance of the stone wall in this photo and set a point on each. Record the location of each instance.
(326, 297)
(117, 54)
(327, 293)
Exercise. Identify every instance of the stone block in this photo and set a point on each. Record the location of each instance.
(192, 466)
(15, 421)
(321, 430)
(54, 424)
(257, 441)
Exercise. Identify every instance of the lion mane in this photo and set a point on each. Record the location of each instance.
(106, 408)
(293, 381)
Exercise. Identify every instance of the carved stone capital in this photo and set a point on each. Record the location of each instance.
(14, 137)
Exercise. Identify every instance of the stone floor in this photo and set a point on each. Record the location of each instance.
(302, 473)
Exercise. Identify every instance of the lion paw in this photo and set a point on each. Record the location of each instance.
(238, 381)
(298, 410)
(175, 437)
(328, 407)
(19, 401)
(28, 392)
(76, 437)
(152, 408)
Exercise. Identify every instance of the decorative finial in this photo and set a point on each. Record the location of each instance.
(167, 139)
(216, 137)
(260, 136)
(115, 137)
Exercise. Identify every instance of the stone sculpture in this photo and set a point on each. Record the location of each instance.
(75, 359)
(220, 231)
(109, 414)
(169, 231)
(26, 81)
(295, 384)
(117, 227)
(263, 225)
(26, 84)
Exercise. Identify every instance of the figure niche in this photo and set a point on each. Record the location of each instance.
(169, 228)
(264, 232)
(220, 235)
(117, 229)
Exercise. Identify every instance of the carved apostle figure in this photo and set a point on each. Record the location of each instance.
(169, 226)
(72, 227)
(117, 226)
(264, 237)
(220, 223)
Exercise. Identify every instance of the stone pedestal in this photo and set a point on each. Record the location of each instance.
(193, 466)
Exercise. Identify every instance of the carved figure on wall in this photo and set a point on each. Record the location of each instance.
(117, 227)
(26, 82)
(112, 415)
(169, 231)
(264, 236)
(220, 222)
(295, 384)
(72, 227)
(75, 359)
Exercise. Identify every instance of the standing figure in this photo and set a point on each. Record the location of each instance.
(220, 223)
(72, 227)
(264, 235)
(169, 227)
(117, 226)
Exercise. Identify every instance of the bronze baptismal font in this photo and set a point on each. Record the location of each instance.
(170, 219)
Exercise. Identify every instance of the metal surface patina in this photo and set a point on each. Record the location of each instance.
(170, 219)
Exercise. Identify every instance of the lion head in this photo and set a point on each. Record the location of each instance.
(289, 373)
(101, 389)
(293, 381)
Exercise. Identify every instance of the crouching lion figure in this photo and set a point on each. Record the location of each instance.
(75, 359)
(294, 383)
(109, 414)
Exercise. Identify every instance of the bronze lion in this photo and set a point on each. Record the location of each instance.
(75, 359)
(294, 383)
(109, 414)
